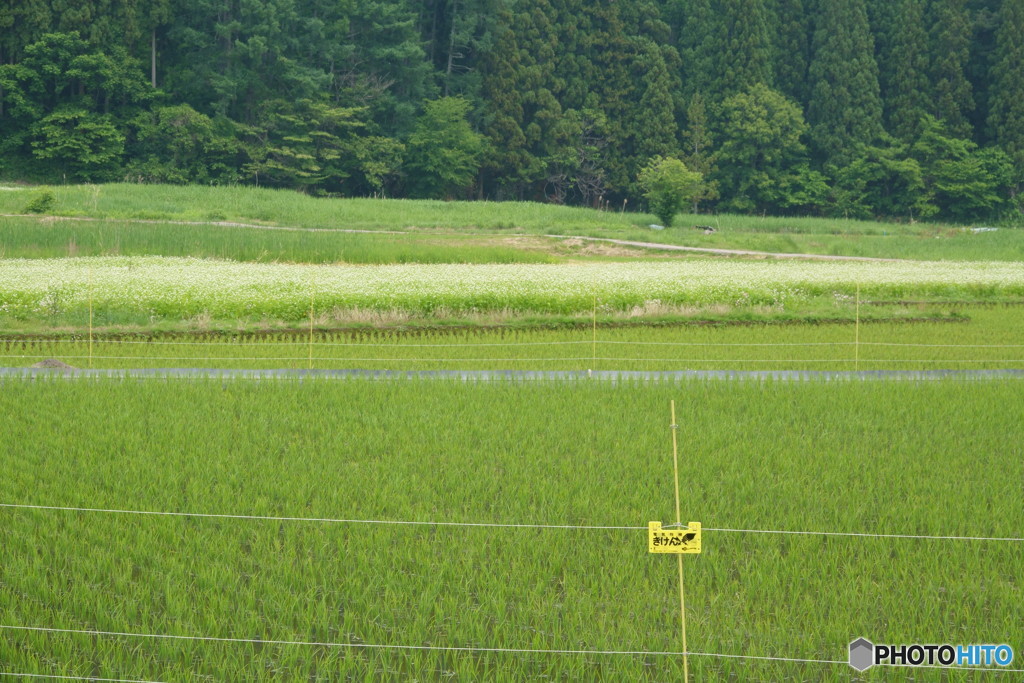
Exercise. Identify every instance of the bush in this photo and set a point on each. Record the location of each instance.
(41, 202)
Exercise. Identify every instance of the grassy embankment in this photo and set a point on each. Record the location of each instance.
(903, 458)
(510, 221)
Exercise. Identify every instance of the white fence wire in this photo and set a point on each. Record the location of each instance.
(471, 649)
(499, 525)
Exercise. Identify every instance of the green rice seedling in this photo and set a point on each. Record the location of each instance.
(980, 338)
(923, 459)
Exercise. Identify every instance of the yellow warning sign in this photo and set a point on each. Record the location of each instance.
(673, 540)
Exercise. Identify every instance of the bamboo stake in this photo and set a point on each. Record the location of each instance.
(856, 334)
(679, 522)
(90, 316)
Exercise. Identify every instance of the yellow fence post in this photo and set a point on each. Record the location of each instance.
(679, 521)
(310, 328)
(856, 334)
(90, 316)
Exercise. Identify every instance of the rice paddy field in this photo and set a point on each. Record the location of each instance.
(940, 458)
(969, 337)
(306, 529)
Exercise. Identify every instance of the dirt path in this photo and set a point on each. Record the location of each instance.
(607, 240)
(722, 252)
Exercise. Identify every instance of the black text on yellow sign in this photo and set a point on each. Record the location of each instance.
(686, 540)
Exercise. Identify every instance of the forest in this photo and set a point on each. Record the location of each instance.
(903, 109)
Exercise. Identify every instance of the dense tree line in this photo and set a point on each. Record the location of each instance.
(902, 108)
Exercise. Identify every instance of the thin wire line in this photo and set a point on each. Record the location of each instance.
(376, 646)
(866, 535)
(320, 519)
(948, 346)
(287, 343)
(329, 520)
(75, 678)
(649, 343)
(318, 358)
(457, 648)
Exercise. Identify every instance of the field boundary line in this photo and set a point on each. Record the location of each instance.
(463, 648)
(285, 374)
(328, 520)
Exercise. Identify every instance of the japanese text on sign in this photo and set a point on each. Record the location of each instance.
(686, 540)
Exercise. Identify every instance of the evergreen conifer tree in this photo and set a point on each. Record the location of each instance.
(952, 100)
(791, 49)
(906, 88)
(845, 108)
(1006, 97)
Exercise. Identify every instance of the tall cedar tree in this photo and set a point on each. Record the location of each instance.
(952, 100)
(792, 45)
(610, 54)
(1006, 97)
(522, 95)
(845, 109)
(906, 89)
(744, 50)
(699, 31)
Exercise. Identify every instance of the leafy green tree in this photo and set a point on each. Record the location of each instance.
(78, 144)
(964, 182)
(845, 110)
(379, 162)
(668, 186)
(306, 145)
(444, 151)
(761, 158)
(881, 180)
(177, 144)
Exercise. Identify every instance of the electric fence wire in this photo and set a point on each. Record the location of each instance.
(59, 677)
(462, 648)
(499, 525)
